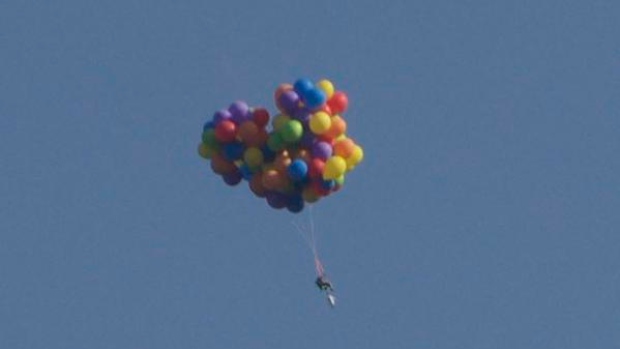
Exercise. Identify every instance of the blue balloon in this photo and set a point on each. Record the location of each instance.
(315, 98)
(268, 154)
(246, 172)
(295, 204)
(302, 86)
(298, 170)
(328, 185)
(208, 125)
(233, 151)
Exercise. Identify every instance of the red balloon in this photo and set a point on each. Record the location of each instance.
(339, 102)
(225, 131)
(262, 137)
(326, 109)
(260, 117)
(315, 168)
(318, 188)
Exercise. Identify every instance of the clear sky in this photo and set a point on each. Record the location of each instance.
(486, 213)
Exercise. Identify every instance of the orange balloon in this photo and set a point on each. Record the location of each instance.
(256, 185)
(303, 154)
(282, 161)
(221, 166)
(338, 128)
(344, 147)
(272, 180)
(248, 133)
(309, 195)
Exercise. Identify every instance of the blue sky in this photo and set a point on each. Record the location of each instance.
(485, 214)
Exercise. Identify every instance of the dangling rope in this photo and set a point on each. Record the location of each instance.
(310, 239)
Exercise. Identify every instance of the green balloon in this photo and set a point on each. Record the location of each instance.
(275, 142)
(208, 138)
(292, 131)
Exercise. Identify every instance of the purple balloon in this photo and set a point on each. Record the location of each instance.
(240, 111)
(289, 100)
(302, 114)
(221, 115)
(275, 199)
(308, 139)
(232, 178)
(321, 150)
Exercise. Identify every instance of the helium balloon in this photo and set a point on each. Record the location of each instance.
(320, 122)
(239, 111)
(327, 87)
(279, 121)
(316, 168)
(256, 185)
(295, 203)
(309, 195)
(303, 86)
(339, 102)
(275, 199)
(232, 178)
(321, 150)
(208, 126)
(221, 115)
(338, 127)
(246, 172)
(272, 180)
(288, 102)
(205, 151)
(233, 151)
(275, 142)
(291, 131)
(357, 155)
(315, 98)
(297, 157)
(209, 138)
(253, 157)
(344, 147)
(334, 167)
(282, 161)
(248, 133)
(260, 116)
(220, 165)
(225, 131)
(297, 170)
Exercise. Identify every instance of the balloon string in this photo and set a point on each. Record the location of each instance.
(310, 238)
(317, 262)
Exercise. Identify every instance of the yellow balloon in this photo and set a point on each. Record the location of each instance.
(340, 180)
(279, 121)
(327, 87)
(334, 168)
(309, 195)
(253, 157)
(341, 137)
(267, 166)
(355, 158)
(204, 151)
(320, 122)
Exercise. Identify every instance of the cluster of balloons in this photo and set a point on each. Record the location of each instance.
(302, 156)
